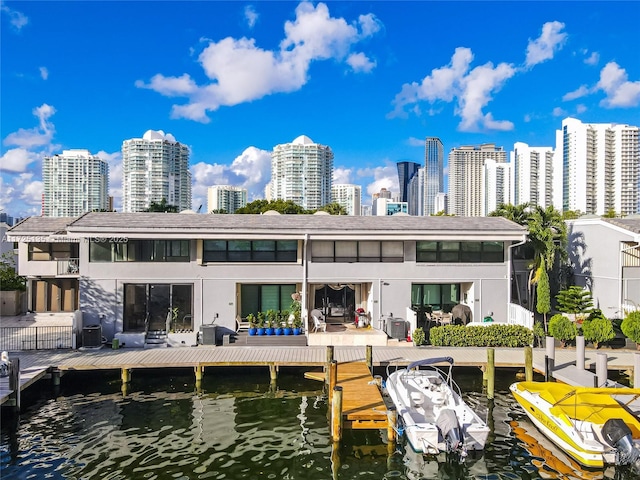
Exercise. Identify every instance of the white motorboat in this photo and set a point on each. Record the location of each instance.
(595, 426)
(431, 410)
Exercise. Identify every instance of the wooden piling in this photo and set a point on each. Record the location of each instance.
(336, 415)
(491, 372)
(55, 377)
(370, 358)
(333, 379)
(199, 372)
(528, 363)
(549, 358)
(273, 372)
(602, 371)
(330, 358)
(14, 383)
(125, 375)
(392, 421)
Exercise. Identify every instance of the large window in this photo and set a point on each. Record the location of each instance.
(366, 251)
(158, 306)
(435, 296)
(250, 251)
(52, 251)
(260, 298)
(460, 252)
(139, 251)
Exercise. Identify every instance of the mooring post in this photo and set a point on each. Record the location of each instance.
(491, 372)
(55, 377)
(333, 377)
(273, 372)
(199, 372)
(328, 365)
(370, 358)
(580, 352)
(636, 370)
(602, 373)
(14, 383)
(528, 363)
(125, 375)
(336, 415)
(335, 460)
(392, 421)
(549, 358)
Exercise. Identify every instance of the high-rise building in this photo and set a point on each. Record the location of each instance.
(434, 173)
(441, 203)
(466, 164)
(406, 171)
(347, 195)
(226, 197)
(383, 193)
(496, 185)
(416, 193)
(75, 182)
(302, 171)
(155, 167)
(532, 171)
(597, 168)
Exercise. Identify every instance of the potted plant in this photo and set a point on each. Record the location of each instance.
(260, 323)
(562, 329)
(631, 328)
(253, 325)
(597, 329)
(297, 323)
(286, 323)
(270, 322)
(279, 325)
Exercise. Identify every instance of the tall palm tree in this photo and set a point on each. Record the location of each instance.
(515, 213)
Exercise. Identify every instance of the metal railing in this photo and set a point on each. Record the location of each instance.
(69, 266)
(35, 338)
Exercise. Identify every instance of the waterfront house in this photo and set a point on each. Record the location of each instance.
(126, 271)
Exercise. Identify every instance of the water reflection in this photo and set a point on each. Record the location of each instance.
(235, 426)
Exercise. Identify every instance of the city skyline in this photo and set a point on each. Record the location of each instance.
(235, 79)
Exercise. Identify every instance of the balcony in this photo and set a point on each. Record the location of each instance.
(69, 267)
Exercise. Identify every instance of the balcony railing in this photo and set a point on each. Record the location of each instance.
(13, 339)
(69, 266)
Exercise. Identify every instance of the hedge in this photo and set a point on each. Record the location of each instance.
(489, 336)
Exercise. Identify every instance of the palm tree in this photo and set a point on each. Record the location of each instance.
(334, 209)
(515, 213)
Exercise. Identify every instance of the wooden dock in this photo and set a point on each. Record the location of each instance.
(35, 365)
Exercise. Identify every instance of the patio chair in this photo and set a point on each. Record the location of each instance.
(318, 324)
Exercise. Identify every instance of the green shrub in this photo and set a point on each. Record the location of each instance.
(563, 329)
(418, 336)
(631, 326)
(597, 328)
(539, 333)
(490, 336)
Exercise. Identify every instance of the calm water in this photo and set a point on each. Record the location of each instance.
(237, 426)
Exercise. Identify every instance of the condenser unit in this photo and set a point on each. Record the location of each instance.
(397, 328)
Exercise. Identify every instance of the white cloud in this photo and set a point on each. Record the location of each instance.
(250, 15)
(383, 177)
(251, 170)
(592, 59)
(342, 175)
(471, 88)
(16, 18)
(16, 160)
(580, 92)
(359, 62)
(44, 73)
(22, 188)
(547, 44)
(580, 108)
(37, 136)
(620, 91)
(559, 112)
(416, 142)
(240, 71)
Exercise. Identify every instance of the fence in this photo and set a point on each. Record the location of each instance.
(520, 316)
(35, 338)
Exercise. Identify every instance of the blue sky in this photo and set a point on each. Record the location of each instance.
(371, 79)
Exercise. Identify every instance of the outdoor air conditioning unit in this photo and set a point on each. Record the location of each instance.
(397, 328)
(92, 336)
(208, 334)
